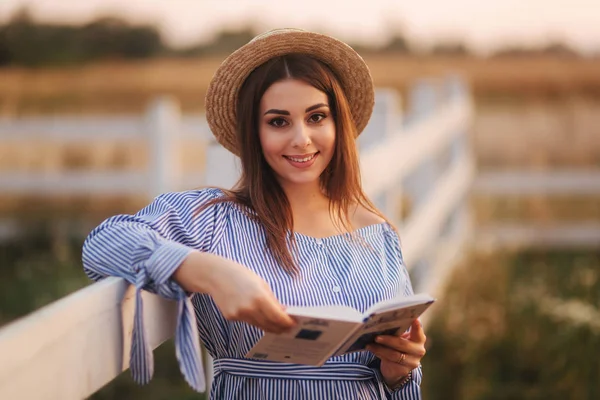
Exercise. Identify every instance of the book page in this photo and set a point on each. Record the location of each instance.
(333, 312)
(311, 342)
(383, 323)
(398, 302)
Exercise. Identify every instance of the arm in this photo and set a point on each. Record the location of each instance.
(145, 249)
(165, 248)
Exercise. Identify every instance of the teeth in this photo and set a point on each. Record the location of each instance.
(305, 159)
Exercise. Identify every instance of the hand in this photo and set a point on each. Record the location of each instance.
(389, 349)
(238, 292)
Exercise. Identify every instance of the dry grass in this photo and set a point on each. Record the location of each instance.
(104, 88)
(97, 156)
(539, 210)
(128, 87)
(499, 79)
(94, 208)
(563, 133)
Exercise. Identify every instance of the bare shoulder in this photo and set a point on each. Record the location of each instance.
(363, 217)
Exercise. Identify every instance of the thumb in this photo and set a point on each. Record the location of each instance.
(416, 332)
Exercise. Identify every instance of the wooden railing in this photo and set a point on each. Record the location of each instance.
(552, 233)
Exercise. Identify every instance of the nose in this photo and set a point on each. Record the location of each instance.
(301, 137)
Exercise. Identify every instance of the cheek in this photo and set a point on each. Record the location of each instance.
(269, 142)
(328, 139)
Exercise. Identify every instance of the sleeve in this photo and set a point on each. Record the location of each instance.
(145, 249)
(410, 391)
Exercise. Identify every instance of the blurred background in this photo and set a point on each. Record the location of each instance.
(518, 321)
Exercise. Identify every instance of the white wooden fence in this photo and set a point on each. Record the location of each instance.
(73, 347)
(161, 134)
(551, 234)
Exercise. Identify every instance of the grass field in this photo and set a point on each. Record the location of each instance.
(539, 210)
(517, 326)
(542, 133)
(128, 87)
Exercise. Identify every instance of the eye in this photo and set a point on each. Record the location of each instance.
(316, 118)
(278, 122)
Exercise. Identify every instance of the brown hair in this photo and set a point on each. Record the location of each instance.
(258, 189)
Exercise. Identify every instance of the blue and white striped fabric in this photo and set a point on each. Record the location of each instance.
(146, 248)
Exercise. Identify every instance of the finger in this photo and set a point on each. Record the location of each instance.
(416, 332)
(256, 318)
(400, 333)
(273, 313)
(403, 334)
(263, 322)
(390, 355)
(277, 311)
(250, 319)
(399, 344)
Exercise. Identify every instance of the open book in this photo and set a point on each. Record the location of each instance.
(323, 332)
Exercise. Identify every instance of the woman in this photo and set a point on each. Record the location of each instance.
(297, 230)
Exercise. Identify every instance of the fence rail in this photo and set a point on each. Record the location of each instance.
(73, 347)
(84, 129)
(518, 236)
(547, 182)
(79, 183)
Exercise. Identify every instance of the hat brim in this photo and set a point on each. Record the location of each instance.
(347, 64)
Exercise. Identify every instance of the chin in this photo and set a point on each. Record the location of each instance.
(304, 180)
(301, 179)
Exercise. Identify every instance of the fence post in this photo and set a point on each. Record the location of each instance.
(163, 124)
(423, 98)
(456, 88)
(222, 167)
(423, 101)
(385, 122)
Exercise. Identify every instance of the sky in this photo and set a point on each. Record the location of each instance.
(483, 25)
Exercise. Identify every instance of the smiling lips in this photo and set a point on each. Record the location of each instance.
(302, 161)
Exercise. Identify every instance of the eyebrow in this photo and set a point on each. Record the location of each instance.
(284, 112)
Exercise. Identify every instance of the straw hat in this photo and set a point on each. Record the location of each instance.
(350, 68)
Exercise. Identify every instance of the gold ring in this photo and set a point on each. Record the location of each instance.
(402, 358)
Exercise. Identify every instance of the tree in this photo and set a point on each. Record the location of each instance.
(226, 42)
(113, 37)
(26, 42)
(397, 44)
(450, 49)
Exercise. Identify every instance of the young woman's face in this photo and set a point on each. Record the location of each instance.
(297, 131)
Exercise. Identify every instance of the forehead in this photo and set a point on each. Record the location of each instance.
(290, 94)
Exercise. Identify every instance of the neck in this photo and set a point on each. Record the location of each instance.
(305, 197)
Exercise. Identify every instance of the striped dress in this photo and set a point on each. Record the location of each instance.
(146, 248)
